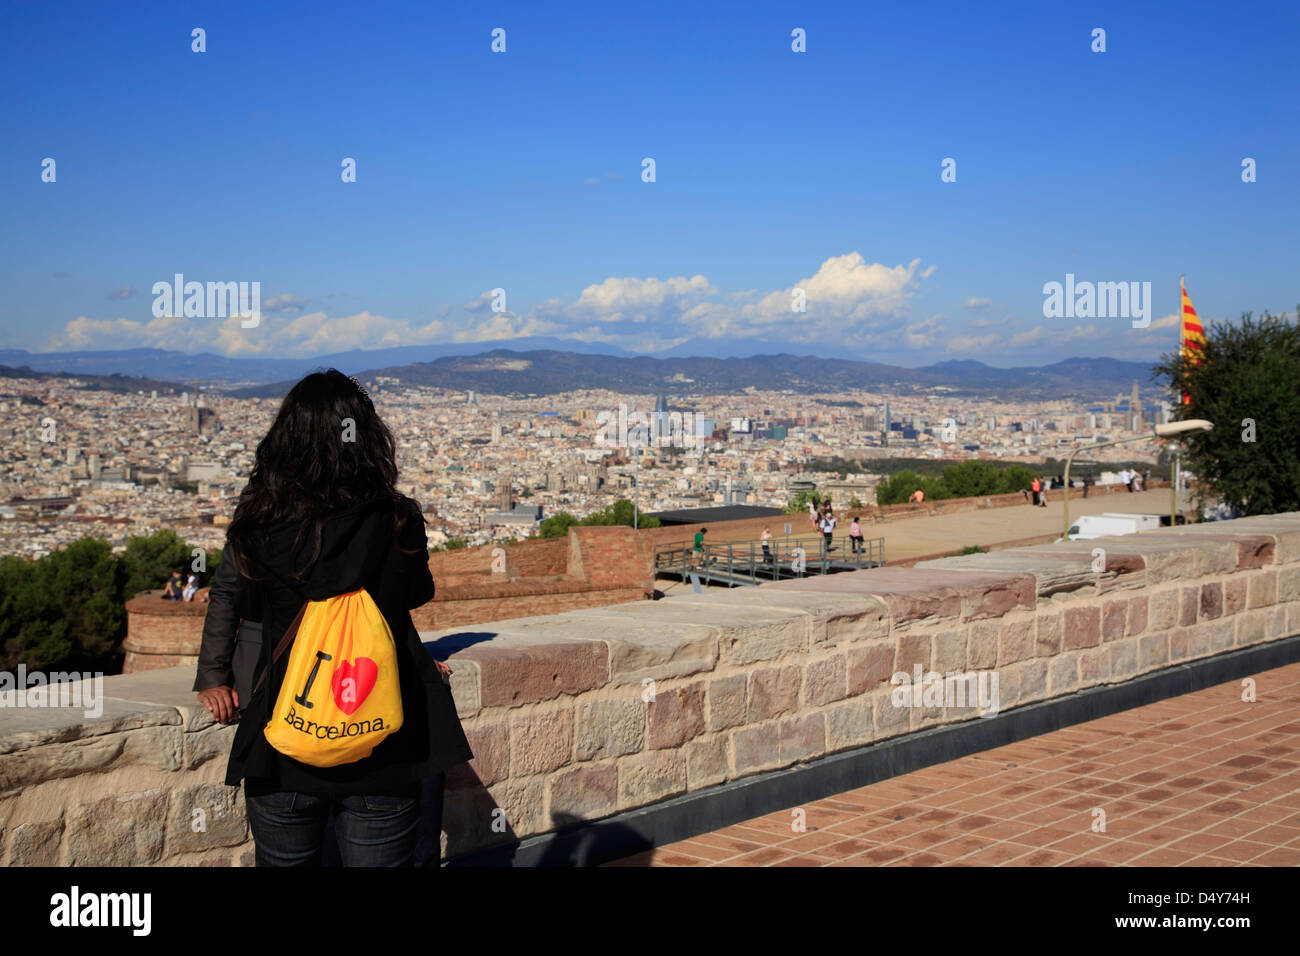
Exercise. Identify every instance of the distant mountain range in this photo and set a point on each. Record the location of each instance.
(207, 367)
(547, 371)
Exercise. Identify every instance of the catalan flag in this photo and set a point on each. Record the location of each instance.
(1192, 343)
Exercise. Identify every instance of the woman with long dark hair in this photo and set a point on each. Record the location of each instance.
(320, 517)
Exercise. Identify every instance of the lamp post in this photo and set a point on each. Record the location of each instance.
(1170, 430)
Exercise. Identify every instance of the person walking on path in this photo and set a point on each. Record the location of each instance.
(697, 550)
(855, 535)
(1037, 488)
(828, 529)
(766, 538)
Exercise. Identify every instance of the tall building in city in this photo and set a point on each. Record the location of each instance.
(201, 419)
(884, 431)
(1135, 407)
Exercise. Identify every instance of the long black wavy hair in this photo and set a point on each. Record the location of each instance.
(312, 463)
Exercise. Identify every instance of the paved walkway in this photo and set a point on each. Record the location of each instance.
(1203, 780)
(907, 538)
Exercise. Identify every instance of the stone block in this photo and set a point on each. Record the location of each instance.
(1049, 625)
(1016, 639)
(706, 761)
(1063, 676)
(1033, 680)
(541, 741)
(1165, 609)
(1288, 584)
(870, 666)
(727, 697)
(950, 650)
(523, 673)
(586, 792)
(1082, 628)
(889, 718)
(205, 816)
(1261, 588)
(610, 728)
(756, 748)
(982, 645)
(521, 803)
(34, 843)
(676, 715)
(1211, 600)
(1094, 666)
(1137, 615)
(1114, 619)
(1153, 651)
(124, 830)
(850, 724)
(802, 738)
(491, 764)
(1234, 595)
(1123, 658)
(1252, 628)
(912, 649)
(825, 681)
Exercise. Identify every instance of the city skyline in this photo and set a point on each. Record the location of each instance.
(500, 196)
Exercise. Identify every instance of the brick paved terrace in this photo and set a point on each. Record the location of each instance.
(1203, 779)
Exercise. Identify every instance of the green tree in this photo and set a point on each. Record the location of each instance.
(900, 487)
(150, 559)
(799, 503)
(453, 544)
(557, 525)
(1247, 386)
(619, 513)
(64, 609)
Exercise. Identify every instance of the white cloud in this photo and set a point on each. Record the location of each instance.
(976, 304)
(846, 298)
(970, 343)
(924, 334)
(285, 303)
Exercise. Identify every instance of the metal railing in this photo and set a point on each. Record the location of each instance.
(739, 563)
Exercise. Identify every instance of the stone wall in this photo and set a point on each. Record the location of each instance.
(579, 715)
(597, 565)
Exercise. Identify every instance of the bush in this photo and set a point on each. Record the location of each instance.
(620, 512)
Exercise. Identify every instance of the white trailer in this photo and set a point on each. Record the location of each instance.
(1106, 525)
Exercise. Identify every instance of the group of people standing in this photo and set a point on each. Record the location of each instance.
(1136, 480)
(1038, 488)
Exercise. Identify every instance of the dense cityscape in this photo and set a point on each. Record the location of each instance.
(78, 461)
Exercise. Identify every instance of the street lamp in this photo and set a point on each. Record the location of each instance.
(1169, 430)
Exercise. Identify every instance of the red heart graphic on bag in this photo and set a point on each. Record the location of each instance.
(352, 683)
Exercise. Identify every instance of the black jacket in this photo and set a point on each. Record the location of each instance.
(358, 550)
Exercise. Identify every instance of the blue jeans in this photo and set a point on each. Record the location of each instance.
(372, 830)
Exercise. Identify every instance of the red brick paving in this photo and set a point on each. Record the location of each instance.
(1199, 780)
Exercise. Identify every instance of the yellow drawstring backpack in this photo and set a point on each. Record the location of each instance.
(341, 695)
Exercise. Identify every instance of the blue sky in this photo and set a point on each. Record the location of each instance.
(522, 171)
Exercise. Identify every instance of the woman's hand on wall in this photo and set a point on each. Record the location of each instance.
(222, 702)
